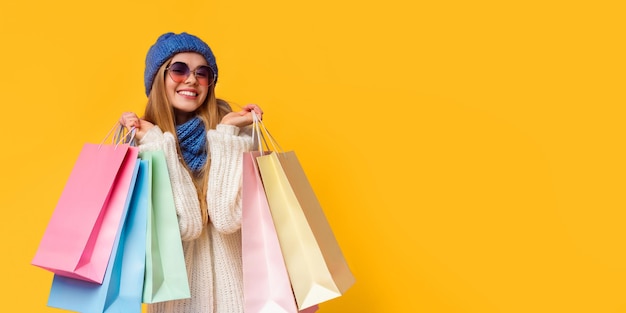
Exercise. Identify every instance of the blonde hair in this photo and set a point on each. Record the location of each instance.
(159, 111)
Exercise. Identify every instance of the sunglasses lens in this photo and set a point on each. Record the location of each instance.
(179, 71)
(204, 75)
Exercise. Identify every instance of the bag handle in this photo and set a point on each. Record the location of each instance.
(120, 137)
(256, 132)
(262, 133)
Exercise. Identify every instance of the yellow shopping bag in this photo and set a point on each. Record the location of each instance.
(317, 268)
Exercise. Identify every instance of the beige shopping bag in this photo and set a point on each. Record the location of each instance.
(317, 268)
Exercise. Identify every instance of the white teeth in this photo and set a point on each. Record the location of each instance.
(187, 93)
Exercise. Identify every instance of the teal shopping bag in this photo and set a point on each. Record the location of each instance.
(122, 287)
(166, 272)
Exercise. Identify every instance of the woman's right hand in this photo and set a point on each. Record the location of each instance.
(130, 120)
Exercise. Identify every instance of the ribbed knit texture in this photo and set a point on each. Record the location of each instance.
(169, 44)
(213, 251)
(192, 140)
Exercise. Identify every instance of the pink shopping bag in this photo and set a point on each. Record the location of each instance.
(80, 235)
(265, 279)
(122, 287)
(317, 269)
(267, 288)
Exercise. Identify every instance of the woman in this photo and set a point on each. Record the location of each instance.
(203, 141)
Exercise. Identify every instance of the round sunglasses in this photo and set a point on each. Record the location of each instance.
(179, 72)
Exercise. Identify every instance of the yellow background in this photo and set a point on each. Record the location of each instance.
(469, 155)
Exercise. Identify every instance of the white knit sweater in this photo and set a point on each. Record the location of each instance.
(212, 252)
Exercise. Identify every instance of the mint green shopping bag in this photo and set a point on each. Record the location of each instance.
(166, 273)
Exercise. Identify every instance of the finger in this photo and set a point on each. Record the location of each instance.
(259, 112)
(255, 112)
(252, 107)
(255, 108)
(123, 118)
(129, 120)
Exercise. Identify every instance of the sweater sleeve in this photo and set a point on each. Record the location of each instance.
(185, 195)
(227, 144)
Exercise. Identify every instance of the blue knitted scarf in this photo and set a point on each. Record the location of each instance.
(192, 141)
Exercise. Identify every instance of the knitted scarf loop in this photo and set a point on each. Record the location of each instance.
(192, 141)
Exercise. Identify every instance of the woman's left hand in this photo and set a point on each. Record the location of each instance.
(243, 117)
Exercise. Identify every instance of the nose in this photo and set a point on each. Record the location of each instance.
(191, 78)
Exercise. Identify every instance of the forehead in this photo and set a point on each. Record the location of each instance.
(191, 58)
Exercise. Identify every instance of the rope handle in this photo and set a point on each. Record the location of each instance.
(261, 132)
(120, 136)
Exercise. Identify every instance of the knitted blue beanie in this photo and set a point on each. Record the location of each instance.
(169, 44)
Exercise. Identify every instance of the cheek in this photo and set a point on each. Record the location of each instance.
(205, 95)
(169, 85)
(170, 89)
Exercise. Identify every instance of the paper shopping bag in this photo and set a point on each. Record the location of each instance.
(317, 268)
(79, 237)
(121, 289)
(267, 288)
(166, 273)
(133, 261)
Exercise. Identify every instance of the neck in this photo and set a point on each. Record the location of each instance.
(182, 117)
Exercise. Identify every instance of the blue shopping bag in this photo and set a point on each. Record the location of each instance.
(122, 288)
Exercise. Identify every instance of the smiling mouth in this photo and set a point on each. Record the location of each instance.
(187, 93)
